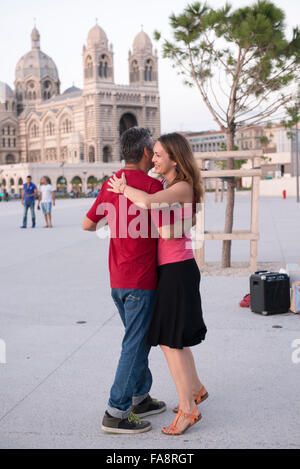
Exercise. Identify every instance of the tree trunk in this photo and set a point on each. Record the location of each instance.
(226, 252)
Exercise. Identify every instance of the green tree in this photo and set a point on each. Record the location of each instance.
(242, 64)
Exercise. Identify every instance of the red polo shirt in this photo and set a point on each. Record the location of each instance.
(132, 252)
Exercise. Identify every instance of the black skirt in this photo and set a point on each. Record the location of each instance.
(177, 315)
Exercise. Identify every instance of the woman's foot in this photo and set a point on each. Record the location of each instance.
(182, 422)
(201, 396)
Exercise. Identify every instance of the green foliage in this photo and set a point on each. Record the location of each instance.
(248, 49)
(264, 141)
(93, 180)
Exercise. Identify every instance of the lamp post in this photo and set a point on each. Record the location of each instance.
(84, 181)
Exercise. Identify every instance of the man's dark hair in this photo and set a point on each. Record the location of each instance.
(29, 177)
(133, 142)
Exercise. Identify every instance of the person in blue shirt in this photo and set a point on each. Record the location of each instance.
(29, 194)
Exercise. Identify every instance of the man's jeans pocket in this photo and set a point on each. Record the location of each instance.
(132, 303)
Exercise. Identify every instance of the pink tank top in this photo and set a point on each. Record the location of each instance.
(177, 249)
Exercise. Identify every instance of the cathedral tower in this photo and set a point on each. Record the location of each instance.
(143, 64)
(97, 59)
(36, 77)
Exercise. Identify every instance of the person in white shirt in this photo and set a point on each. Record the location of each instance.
(46, 199)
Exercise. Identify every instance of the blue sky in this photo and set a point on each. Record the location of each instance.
(64, 25)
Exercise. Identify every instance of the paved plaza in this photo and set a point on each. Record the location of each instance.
(63, 338)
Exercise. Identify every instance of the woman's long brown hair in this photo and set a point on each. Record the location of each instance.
(180, 151)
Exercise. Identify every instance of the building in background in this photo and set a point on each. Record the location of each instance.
(74, 135)
(211, 140)
(249, 138)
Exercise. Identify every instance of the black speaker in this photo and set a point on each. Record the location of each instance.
(270, 293)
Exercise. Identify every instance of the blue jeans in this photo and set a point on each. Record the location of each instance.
(133, 378)
(28, 205)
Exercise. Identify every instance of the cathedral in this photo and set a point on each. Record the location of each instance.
(74, 137)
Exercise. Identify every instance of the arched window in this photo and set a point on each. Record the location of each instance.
(76, 184)
(103, 67)
(47, 89)
(30, 90)
(9, 159)
(67, 126)
(34, 131)
(89, 67)
(135, 74)
(148, 70)
(61, 184)
(107, 154)
(92, 158)
(91, 183)
(50, 129)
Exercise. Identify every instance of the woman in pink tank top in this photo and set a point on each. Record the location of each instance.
(177, 322)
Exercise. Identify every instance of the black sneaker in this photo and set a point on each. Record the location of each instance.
(149, 406)
(131, 425)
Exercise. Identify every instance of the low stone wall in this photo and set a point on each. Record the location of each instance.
(275, 187)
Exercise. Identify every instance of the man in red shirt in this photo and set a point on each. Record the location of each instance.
(133, 277)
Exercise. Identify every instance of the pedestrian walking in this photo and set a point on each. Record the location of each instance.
(29, 194)
(46, 200)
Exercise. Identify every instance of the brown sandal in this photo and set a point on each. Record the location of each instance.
(199, 398)
(174, 431)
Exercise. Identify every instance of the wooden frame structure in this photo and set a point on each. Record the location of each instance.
(255, 173)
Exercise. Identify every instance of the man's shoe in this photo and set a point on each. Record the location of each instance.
(131, 425)
(33, 226)
(149, 406)
(23, 227)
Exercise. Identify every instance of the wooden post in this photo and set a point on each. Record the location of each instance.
(200, 250)
(217, 190)
(222, 191)
(254, 217)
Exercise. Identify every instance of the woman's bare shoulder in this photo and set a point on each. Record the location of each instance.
(184, 186)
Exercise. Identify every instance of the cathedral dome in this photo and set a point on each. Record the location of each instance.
(36, 63)
(142, 43)
(72, 89)
(6, 92)
(97, 37)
